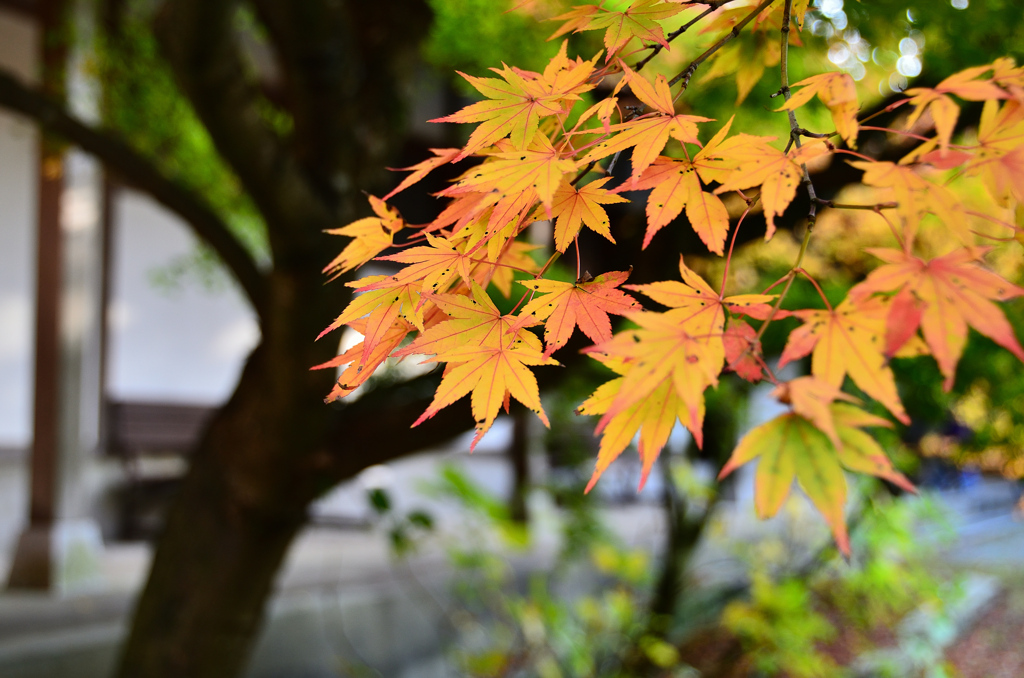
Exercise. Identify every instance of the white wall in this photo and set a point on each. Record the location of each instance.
(17, 243)
(185, 344)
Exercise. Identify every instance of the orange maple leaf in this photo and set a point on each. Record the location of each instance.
(573, 207)
(370, 236)
(777, 173)
(435, 266)
(676, 185)
(517, 102)
(387, 301)
(442, 156)
(839, 94)
(848, 340)
(362, 363)
(915, 195)
(584, 304)
(647, 135)
(944, 110)
(955, 292)
(653, 417)
(706, 309)
(485, 356)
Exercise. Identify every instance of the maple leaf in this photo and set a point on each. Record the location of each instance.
(676, 185)
(653, 418)
(848, 340)
(382, 300)
(705, 309)
(999, 158)
(370, 236)
(647, 135)
(944, 110)
(839, 94)
(741, 351)
(639, 20)
(362, 363)
(573, 207)
(777, 173)
(434, 265)
(539, 168)
(915, 195)
(955, 292)
(812, 399)
(792, 447)
(486, 356)
(584, 304)
(442, 156)
(516, 103)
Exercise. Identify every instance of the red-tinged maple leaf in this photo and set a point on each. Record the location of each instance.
(382, 306)
(943, 109)
(839, 94)
(999, 158)
(915, 195)
(370, 236)
(848, 340)
(539, 168)
(956, 292)
(676, 185)
(574, 207)
(777, 173)
(741, 351)
(473, 319)
(664, 345)
(517, 102)
(638, 20)
(436, 266)
(653, 417)
(361, 363)
(485, 356)
(647, 135)
(584, 304)
(705, 309)
(442, 156)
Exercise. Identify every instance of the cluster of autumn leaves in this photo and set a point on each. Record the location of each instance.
(533, 166)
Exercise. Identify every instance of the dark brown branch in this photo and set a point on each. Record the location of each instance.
(138, 172)
(198, 41)
(688, 72)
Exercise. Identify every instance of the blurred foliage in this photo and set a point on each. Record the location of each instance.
(142, 104)
(797, 618)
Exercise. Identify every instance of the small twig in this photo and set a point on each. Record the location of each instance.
(812, 214)
(688, 72)
(657, 47)
(845, 206)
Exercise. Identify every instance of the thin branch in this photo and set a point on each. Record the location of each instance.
(134, 169)
(688, 72)
(657, 47)
(812, 215)
(846, 206)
